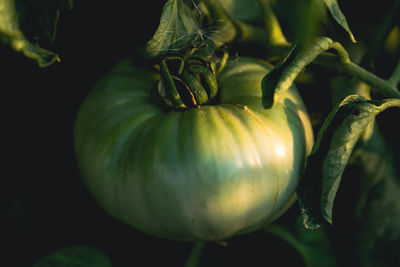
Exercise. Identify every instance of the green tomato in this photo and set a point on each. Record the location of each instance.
(205, 173)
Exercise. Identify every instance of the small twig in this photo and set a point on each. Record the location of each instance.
(386, 88)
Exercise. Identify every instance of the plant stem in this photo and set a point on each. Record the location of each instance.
(382, 86)
(274, 38)
(379, 84)
(343, 64)
(195, 255)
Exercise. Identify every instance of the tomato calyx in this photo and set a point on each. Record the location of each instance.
(189, 81)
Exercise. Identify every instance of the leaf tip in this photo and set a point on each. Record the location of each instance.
(328, 218)
(352, 38)
(310, 222)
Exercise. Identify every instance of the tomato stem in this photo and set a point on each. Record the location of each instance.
(379, 84)
(316, 51)
(386, 88)
(189, 81)
(342, 63)
(171, 92)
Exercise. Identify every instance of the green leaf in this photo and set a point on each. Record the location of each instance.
(331, 152)
(313, 246)
(269, 83)
(283, 75)
(24, 23)
(243, 10)
(337, 14)
(370, 201)
(179, 27)
(75, 256)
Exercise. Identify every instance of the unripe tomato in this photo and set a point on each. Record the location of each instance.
(204, 173)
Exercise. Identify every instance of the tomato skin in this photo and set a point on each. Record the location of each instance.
(206, 173)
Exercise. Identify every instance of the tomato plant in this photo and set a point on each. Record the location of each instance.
(207, 132)
(204, 173)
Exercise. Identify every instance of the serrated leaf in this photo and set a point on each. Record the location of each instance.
(337, 14)
(177, 29)
(331, 152)
(75, 256)
(22, 23)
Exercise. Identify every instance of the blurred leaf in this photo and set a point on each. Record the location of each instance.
(313, 246)
(75, 256)
(331, 152)
(178, 28)
(243, 10)
(337, 14)
(300, 19)
(369, 202)
(392, 43)
(23, 23)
